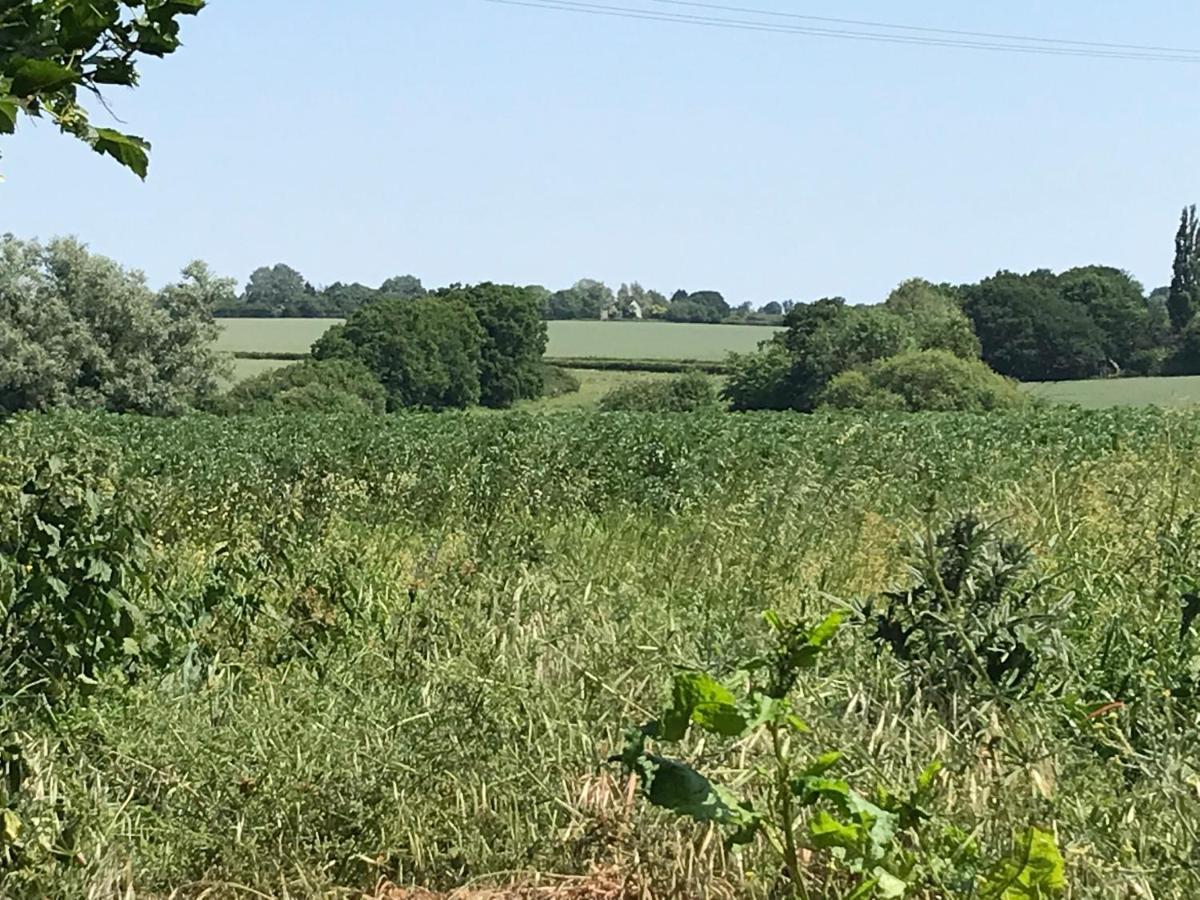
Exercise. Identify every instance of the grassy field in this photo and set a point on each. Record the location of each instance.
(355, 650)
(1101, 393)
(610, 340)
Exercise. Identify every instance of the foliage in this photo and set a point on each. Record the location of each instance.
(78, 330)
(689, 392)
(1117, 304)
(557, 381)
(936, 318)
(514, 339)
(586, 299)
(1183, 297)
(930, 380)
(51, 50)
(312, 386)
(426, 352)
(1030, 333)
(759, 380)
(977, 621)
(396, 647)
(75, 563)
(407, 287)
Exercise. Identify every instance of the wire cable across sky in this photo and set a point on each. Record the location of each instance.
(778, 22)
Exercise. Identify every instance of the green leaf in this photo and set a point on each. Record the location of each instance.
(8, 115)
(680, 788)
(823, 763)
(129, 151)
(1033, 871)
(700, 698)
(888, 885)
(827, 832)
(37, 76)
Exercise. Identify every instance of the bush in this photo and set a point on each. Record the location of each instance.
(314, 386)
(929, 380)
(75, 562)
(978, 619)
(687, 393)
(855, 390)
(557, 381)
(759, 380)
(426, 352)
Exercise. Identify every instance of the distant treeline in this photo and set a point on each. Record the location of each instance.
(279, 291)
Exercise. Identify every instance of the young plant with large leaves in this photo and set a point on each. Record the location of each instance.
(51, 51)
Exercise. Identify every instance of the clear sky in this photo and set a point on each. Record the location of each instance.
(461, 140)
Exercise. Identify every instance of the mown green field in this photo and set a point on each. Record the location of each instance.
(341, 651)
(1167, 392)
(607, 340)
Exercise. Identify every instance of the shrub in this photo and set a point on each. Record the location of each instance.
(425, 352)
(929, 380)
(977, 619)
(74, 564)
(557, 381)
(686, 393)
(332, 385)
(759, 380)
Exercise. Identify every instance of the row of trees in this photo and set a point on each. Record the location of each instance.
(280, 291)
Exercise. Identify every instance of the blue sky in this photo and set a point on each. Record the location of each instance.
(461, 141)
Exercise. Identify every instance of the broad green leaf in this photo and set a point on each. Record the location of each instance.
(827, 832)
(1033, 871)
(680, 788)
(811, 789)
(8, 115)
(700, 698)
(720, 719)
(888, 885)
(129, 151)
(690, 689)
(37, 76)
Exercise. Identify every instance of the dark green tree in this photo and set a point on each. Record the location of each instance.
(425, 352)
(514, 340)
(1117, 303)
(279, 290)
(1030, 333)
(51, 51)
(407, 287)
(1184, 298)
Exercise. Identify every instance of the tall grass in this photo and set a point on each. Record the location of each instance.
(433, 630)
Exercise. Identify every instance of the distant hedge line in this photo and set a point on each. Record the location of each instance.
(576, 362)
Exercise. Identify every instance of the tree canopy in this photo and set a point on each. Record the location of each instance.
(51, 51)
(79, 331)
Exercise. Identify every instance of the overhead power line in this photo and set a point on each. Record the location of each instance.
(1003, 45)
(996, 36)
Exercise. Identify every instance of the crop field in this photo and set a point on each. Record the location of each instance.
(607, 340)
(318, 655)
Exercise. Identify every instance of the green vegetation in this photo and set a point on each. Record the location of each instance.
(78, 330)
(313, 386)
(690, 392)
(301, 653)
(50, 50)
(458, 347)
(1103, 393)
(925, 380)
